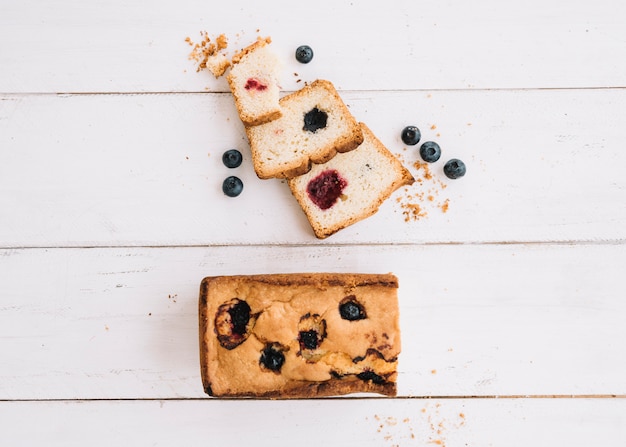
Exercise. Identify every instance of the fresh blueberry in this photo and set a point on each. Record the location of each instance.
(411, 135)
(232, 186)
(304, 54)
(350, 309)
(454, 168)
(272, 357)
(232, 158)
(430, 151)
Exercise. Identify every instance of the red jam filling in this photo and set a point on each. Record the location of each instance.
(255, 84)
(326, 188)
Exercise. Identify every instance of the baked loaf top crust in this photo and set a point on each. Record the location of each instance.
(254, 82)
(350, 187)
(314, 126)
(299, 335)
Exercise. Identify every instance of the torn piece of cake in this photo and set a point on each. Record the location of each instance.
(299, 335)
(314, 126)
(254, 82)
(350, 187)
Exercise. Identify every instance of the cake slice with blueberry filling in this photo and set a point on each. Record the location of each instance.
(299, 335)
(254, 82)
(350, 187)
(314, 126)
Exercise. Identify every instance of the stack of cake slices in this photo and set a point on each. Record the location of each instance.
(336, 168)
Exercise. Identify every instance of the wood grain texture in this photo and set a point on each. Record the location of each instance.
(85, 170)
(121, 46)
(111, 212)
(382, 422)
(476, 320)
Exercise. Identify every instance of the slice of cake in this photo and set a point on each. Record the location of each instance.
(314, 126)
(350, 187)
(299, 335)
(254, 81)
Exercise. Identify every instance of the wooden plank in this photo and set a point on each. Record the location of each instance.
(121, 46)
(85, 170)
(346, 422)
(477, 320)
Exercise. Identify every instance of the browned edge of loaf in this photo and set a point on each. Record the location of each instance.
(260, 42)
(333, 387)
(345, 144)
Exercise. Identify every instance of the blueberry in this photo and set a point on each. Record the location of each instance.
(232, 158)
(430, 151)
(350, 309)
(304, 54)
(232, 186)
(454, 168)
(315, 119)
(308, 339)
(239, 317)
(272, 357)
(371, 376)
(411, 135)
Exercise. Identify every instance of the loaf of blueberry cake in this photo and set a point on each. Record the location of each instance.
(314, 126)
(299, 335)
(254, 83)
(350, 187)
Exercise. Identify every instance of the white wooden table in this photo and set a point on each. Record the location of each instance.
(513, 303)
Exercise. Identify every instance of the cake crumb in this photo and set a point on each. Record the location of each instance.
(208, 55)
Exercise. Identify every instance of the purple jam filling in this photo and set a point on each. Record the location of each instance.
(326, 188)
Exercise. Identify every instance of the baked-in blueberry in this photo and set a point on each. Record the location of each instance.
(232, 158)
(350, 309)
(308, 339)
(304, 54)
(232, 186)
(411, 135)
(311, 333)
(430, 151)
(454, 168)
(272, 357)
(314, 120)
(371, 376)
(233, 322)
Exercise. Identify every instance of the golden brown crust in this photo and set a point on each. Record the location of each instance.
(378, 291)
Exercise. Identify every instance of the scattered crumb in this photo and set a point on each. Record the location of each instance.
(416, 200)
(433, 127)
(172, 298)
(106, 328)
(434, 371)
(149, 314)
(208, 54)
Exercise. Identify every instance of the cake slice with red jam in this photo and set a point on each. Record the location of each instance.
(349, 187)
(314, 126)
(254, 81)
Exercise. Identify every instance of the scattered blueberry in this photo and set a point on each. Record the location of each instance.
(232, 158)
(304, 54)
(430, 151)
(350, 309)
(315, 119)
(272, 357)
(411, 135)
(454, 168)
(232, 186)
